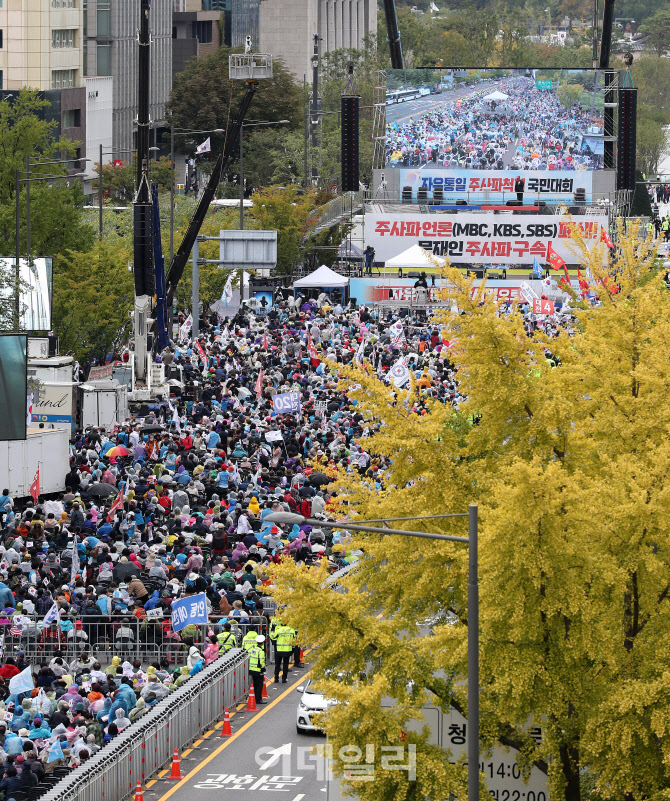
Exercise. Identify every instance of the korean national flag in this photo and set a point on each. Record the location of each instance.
(52, 615)
(399, 373)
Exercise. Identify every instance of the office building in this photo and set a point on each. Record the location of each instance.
(111, 49)
(41, 48)
(195, 32)
(287, 28)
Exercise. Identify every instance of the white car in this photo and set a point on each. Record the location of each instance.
(311, 703)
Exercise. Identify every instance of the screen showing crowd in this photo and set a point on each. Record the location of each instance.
(494, 119)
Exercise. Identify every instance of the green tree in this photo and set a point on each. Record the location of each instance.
(569, 468)
(93, 295)
(288, 211)
(657, 28)
(204, 98)
(569, 94)
(55, 217)
(119, 182)
(651, 145)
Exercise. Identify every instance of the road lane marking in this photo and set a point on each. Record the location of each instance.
(238, 708)
(247, 725)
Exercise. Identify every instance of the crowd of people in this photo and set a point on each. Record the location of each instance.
(174, 502)
(526, 129)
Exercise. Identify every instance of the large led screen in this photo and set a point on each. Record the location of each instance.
(547, 121)
(35, 292)
(13, 386)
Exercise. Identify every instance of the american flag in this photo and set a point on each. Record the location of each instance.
(16, 630)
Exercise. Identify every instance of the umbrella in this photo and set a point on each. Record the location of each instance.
(101, 490)
(318, 479)
(117, 452)
(151, 428)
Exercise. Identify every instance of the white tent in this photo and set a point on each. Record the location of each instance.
(414, 258)
(497, 96)
(323, 277)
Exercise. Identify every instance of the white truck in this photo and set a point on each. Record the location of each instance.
(102, 404)
(48, 449)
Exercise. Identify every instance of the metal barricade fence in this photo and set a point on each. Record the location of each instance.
(126, 637)
(149, 743)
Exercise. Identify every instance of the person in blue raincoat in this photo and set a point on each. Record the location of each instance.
(6, 597)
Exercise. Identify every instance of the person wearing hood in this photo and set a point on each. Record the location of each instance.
(111, 670)
(103, 714)
(40, 730)
(122, 722)
(181, 676)
(194, 656)
(139, 710)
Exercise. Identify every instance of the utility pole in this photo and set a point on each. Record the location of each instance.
(242, 176)
(28, 210)
(171, 193)
(314, 114)
(142, 206)
(17, 271)
(195, 291)
(100, 195)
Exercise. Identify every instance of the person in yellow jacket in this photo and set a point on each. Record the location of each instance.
(257, 666)
(249, 639)
(285, 637)
(226, 639)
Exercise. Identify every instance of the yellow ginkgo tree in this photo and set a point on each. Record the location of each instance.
(570, 467)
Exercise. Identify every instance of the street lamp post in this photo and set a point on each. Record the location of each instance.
(27, 180)
(242, 127)
(473, 610)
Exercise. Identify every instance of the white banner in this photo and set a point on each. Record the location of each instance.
(473, 238)
(497, 186)
(53, 405)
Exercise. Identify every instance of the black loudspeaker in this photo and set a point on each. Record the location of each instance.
(461, 202)
(349, 149)
(626, 139)
(514, 203)
(53, 345)
(143, 263)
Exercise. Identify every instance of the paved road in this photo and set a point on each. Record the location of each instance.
(264, 753)
(413, 108)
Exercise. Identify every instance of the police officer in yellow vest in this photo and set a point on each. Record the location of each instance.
(257, 666)
(249, 639)
(226, 639)
(275, 623)
(285, 639)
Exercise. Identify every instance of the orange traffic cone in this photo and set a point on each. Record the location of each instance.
(175, 773)
(138, 792)
(251, 702)
(226, 731)
(264, 694)
(302, 659)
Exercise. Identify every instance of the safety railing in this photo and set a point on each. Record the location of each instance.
(129, 638)
(149, 743)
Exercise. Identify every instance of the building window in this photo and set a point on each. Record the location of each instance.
(202, 31)
(1, 39)
(104, 55)
(63, 38)
(174, 32)
(2, 84)
(216, 5)
(63, 4)
(72, 118)
(63, 79)
(104, 21)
